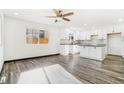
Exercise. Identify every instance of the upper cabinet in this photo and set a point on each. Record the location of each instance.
(102, 34)
(82, 35)
(88, 35)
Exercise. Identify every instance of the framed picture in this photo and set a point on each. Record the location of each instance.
(35, 36)
(43, 37)
(28, 36)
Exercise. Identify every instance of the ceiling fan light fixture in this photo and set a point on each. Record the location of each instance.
(59, 15)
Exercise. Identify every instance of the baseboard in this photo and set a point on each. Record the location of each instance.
(31, 57)
(115, 55)
(93, 59)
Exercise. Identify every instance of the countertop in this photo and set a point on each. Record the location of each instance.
(93, 45)
(85, 45)
(68, 44)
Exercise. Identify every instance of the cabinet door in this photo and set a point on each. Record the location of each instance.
(87, 35)
(100, 34)
(104, 36)
(83, 35)
(64, 49)
(71, 49)
(82, 51)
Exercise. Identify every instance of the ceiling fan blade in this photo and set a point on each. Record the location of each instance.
(57, 13)
(68, 14)
(51, 16)
(66, 19)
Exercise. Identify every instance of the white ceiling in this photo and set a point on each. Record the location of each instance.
(80, 17)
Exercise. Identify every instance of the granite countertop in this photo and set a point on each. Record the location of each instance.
(93, 45)
(85, 45)
(68, 44)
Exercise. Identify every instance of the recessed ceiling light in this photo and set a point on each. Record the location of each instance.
(16, 13)
(85, 24)
(120, 19)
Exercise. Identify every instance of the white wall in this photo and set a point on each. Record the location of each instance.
(1, 40)
(15, 40)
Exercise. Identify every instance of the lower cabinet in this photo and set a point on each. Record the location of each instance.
(64, 49)
(97, 53)
(69, 49)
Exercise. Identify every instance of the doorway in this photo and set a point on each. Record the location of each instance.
(114, 44)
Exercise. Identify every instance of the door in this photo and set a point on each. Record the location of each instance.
(114, 44)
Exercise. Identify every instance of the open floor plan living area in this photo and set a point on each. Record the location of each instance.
(61, 46)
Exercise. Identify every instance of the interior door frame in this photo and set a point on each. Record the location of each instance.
(113, 33)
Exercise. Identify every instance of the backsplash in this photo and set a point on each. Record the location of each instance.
(97, 41)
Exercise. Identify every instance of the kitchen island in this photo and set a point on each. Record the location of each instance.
(91, 51)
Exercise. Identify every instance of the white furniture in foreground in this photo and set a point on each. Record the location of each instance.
(58, 75)
(93, 52)
(64, 49)
(54, 74)
(35, 76)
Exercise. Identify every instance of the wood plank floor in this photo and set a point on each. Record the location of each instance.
(109, 71)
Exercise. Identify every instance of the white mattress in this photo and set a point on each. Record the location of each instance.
(54, 74)
(36, 76)
(58, 75)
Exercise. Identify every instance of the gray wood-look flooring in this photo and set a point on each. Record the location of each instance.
(109, 71)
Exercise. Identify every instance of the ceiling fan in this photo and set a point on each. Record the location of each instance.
(60, 14)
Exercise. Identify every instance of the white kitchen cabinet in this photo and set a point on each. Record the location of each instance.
(64, 49)
(97, 53)
(102, 35)
(122, 33)
(73, 49)
(84, 51)
(88, 35)
(83, 35)
(92, 32)
(99, 33)
(69, 49)
(117, 28)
